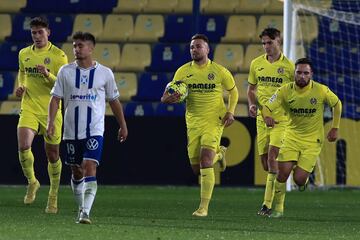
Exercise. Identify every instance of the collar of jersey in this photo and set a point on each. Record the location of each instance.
(201, 66)
(44, 49)
(280, 58)
(94, 66)
(301, 90)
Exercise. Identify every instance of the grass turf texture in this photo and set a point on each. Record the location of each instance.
(150, 212)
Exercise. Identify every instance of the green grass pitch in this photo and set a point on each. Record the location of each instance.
(151, 212)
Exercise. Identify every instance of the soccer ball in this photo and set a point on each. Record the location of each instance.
(179, 87)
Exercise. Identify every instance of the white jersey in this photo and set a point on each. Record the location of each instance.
(84, 93)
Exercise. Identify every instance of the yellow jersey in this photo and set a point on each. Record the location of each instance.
(205, 104)
(37, 95)
(305, 108)
(268, 77)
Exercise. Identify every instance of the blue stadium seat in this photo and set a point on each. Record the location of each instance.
(7, 81)
(323, 57)
(346, 87)
(151, 87)
(346, 5)
(139, 109)
(170, 110)
(177, 28)
(213, 26)
(21, 28)
(9, 53)
(351, 111)
(165, 58)
(61, 27)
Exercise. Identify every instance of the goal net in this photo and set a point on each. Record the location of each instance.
(328, 32)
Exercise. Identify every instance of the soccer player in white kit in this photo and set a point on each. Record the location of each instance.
(85, 85)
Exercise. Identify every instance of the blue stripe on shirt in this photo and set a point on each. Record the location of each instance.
(91, 78)
(77, 78)
(76, 122)
(88, 121)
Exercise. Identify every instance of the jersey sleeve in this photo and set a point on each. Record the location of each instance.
(111, 90)
(252, 78)
(330, 97)
(228, 80)
(58, 88)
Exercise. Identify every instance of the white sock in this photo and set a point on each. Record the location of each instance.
(77, 187)
(90, 193)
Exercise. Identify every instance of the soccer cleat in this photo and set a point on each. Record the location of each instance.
(31, 192)
(222, 160)
(51, 206)
(84, 218)
(201, 212)
(264, 211)
(276, 214)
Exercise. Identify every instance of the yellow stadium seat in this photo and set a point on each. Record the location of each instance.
(241, 81)
(107, 54)
(252, 6)
(68, 50)
(247, 24)
(309, 29)
(315, 3)
(92, 23)
(230, 56)
(10, 107)
(184, 6)
(108, 111)
(135, 57)
(265, 21)
(160, 6)
(5, 26)
(117, 28)
(252, 51)
(148, 28)
(130, 6)
(220, 7)
(11, 6)
(241, 110)
(275, 7)
(127, 85)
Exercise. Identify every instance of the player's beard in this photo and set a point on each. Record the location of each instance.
(197, 58)
(302, 83)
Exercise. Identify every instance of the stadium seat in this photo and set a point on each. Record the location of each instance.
(324, 57)
(252, 51)
(107, 54)
(241, 81)
(213, 26)
(352, 111)
(309, 28)
(148, 28)
(151, 86)
(7, 82)
(68, 50)
(127, 85)
(9, 56)
(346, 5)
(10, 108)
(135, 57)
(108, 111)
(139, 109)
(170, 109)
(60, 27)
(12, 96)
(178, 28)
(130, 6)
(184, 7)
(117, 28)
(241, 110)
(230, 56)
(247, 24)
(275, 7)
(219, 7)
(11, 6)
(160, 6)
(265, 21)
(252, 6)
(165, 58)
(92, 23)
(5, 26)
(21, 28)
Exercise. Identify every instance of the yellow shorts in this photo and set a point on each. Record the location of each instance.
(269, 136)
(203, 138)
(304, 153)
(39, 122)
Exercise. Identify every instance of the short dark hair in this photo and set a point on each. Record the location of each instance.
(200, 36)
(304, 61)
(84, 36)
(272, 33)
(39, 21)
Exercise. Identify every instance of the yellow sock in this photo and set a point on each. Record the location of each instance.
(269, 190)
(207, 177)
(279, 196)
(26, 159)
(54, 170)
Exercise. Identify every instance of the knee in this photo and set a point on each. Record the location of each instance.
(24, 146)
(300, 181)
(52, 154)
(77, 172)
(281, 177)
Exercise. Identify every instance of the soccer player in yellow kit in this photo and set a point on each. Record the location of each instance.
(206, 114)
(268, 72)
(38, 66)
(304, 101)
